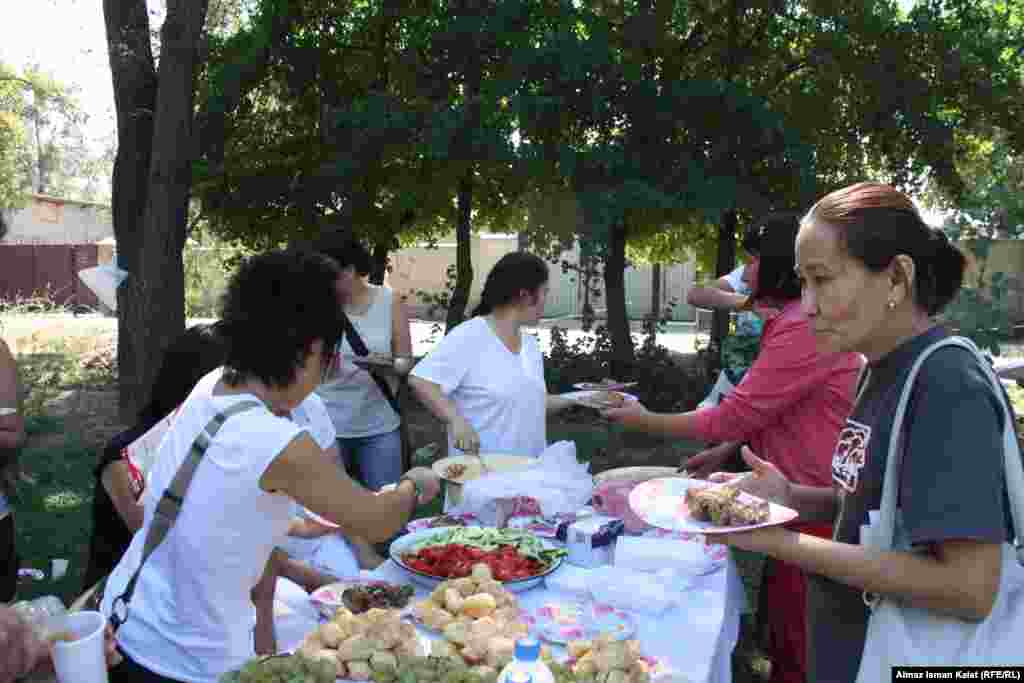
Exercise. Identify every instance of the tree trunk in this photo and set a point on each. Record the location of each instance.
(135, 86)
(724, 263)
(615, 300)
(656, 291)
(464, 254)
(379, 264)
(154, 311)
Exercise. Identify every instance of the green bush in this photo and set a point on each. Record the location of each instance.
(662, 385)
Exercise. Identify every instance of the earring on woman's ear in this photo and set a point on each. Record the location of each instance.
(892, 304)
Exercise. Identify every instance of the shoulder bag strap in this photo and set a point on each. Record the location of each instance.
(1014, 473)
(169, 505)
(360, 349)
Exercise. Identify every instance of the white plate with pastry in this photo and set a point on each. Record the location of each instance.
(702, 507)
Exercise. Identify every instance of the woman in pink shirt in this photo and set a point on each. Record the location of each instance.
(791, 405)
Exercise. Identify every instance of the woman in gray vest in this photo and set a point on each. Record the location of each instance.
(361, 406)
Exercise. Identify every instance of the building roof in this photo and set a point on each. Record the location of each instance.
(62, 200)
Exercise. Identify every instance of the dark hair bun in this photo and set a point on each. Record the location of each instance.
(948, 265)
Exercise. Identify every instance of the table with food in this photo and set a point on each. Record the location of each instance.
(624, 590)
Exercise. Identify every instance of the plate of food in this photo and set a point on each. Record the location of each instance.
(601, 657)
(360, 595)
(458, 469)
(702, 507)
(461, 519)
(360, 645)
(562, 621)
(606, 384)
(600, 400)
(401, 364)
(518, 559)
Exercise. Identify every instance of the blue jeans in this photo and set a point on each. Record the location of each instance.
(377, 458)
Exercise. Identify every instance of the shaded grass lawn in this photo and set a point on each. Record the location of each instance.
(54, 514)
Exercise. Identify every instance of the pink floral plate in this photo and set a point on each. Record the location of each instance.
(467, 519)
(328, 599)
(561, 621)
(662, 503)
(545, 527)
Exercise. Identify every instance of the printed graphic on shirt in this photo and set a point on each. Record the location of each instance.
(850, 455)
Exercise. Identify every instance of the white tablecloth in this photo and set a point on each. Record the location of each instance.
(696, 639)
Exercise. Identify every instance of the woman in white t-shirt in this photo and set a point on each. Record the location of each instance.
(485, 379)
(193, 613)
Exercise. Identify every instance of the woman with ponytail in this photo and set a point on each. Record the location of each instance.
(874, 276)
(485, 379)
(790, 407)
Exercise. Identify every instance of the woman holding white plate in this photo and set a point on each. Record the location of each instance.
(485, 379)
(874, 276)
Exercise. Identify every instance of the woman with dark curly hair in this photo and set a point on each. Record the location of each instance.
(117, 503)
(196, 599)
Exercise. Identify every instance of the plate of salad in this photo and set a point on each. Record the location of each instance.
(517, 558)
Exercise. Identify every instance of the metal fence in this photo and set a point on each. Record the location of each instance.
(30, 270)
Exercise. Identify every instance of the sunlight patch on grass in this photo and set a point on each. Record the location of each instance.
(62, 500)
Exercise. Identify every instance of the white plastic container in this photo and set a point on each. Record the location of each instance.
(591, 540)
(527, 666)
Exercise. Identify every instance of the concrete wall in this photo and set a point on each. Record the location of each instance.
(49, 220)
(421, 269)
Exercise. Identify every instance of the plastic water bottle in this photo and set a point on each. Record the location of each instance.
(527, 666)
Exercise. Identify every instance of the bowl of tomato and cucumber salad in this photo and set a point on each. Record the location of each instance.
(518, 559)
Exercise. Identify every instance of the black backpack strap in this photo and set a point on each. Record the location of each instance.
(169, 506)
(360, 349)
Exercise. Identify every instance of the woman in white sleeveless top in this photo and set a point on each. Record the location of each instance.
(203, 601)
(368, 427)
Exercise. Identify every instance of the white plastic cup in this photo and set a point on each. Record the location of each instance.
(82, 660)
(58, 568)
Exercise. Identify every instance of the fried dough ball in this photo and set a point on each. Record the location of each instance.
(331, 634)
(441, 648)
(578, 648)
(500, 651)
(457, 633)
(453, 600)
(355, 648)
(383, 661)
(359, 670)
(466, 586)
(479, 605)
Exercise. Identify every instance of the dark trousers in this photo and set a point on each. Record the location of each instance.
(8, 560)
(129, 671)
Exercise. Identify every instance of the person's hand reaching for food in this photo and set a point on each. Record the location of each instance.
(709, 461)
(764, 479)
(632, 414)
(430, 483)
(464, 436)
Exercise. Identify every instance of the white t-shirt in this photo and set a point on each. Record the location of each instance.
(330, 552)
(746, 322)
(735, 280)
(313, 417)
(191, 617)
(500, 393)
